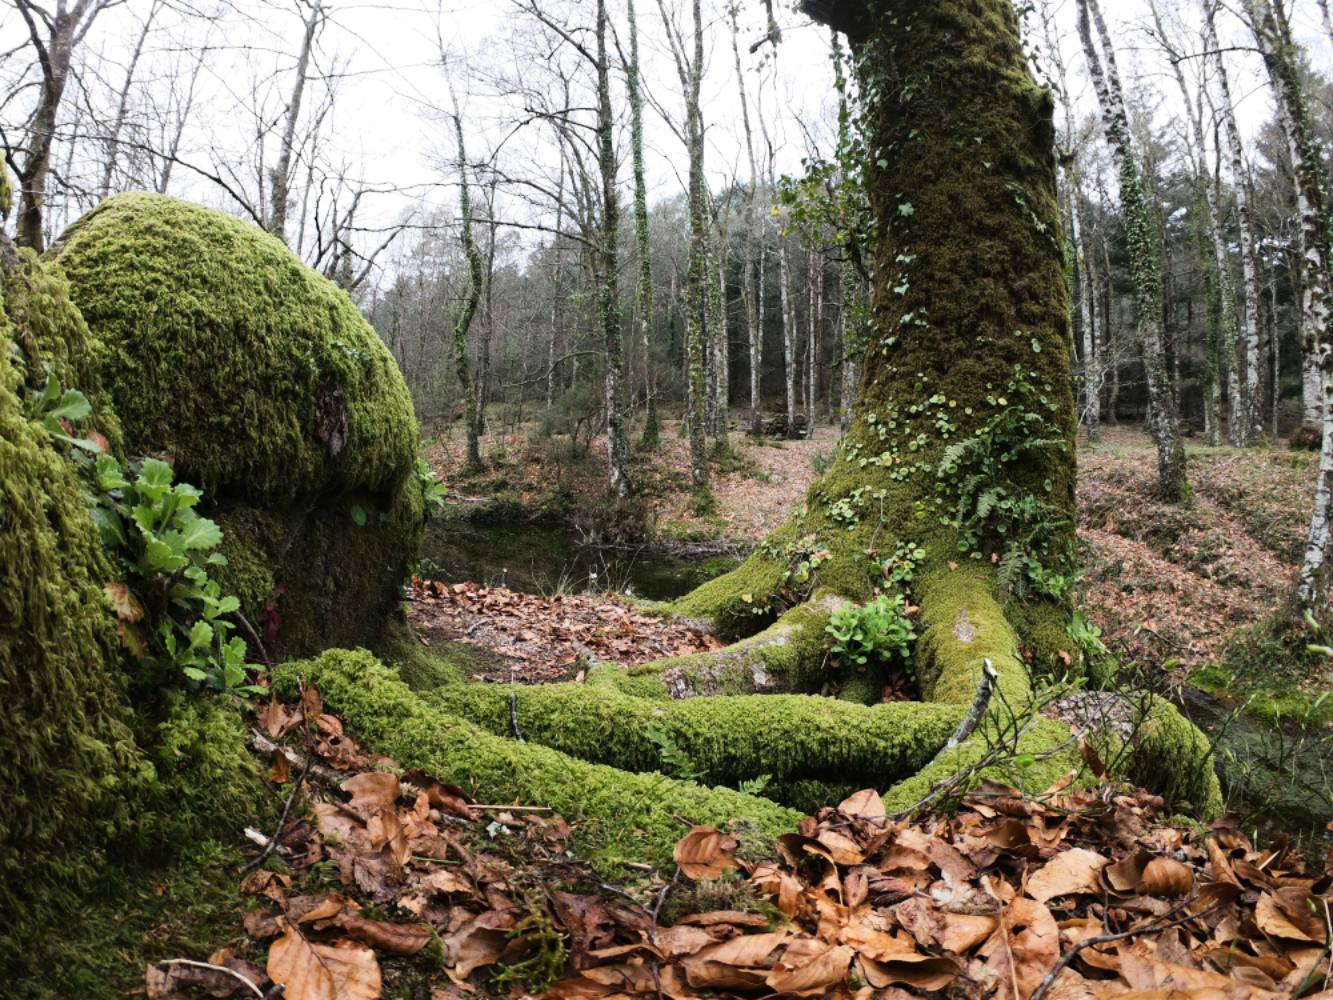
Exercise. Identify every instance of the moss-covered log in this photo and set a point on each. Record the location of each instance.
(268, 389)
(790, 738)
(621, 816)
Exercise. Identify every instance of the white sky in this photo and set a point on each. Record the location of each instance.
(390, 56)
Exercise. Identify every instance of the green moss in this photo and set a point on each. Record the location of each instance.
(787, 657)
(1173, 758)
(94, 765)
(737, 602)
(621, 816)
(130, 917)
(730, 739)
(67, 753)
(1047, 749)
(224, 348)
(334, 580)
(52, 333)
(424, 668)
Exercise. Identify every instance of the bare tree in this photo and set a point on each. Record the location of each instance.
(281, 175)
(1144, 254)
(54, 34)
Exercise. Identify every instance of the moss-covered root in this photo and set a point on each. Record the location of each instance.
(785, 658)
(620, 816)
(738, 602)
(729, 739)
(963, 628)
(1173, 758)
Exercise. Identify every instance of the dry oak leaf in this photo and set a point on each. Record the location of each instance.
(865, 804)
(1069, 873)
(1023, 949)
(396, 939)
(810, 967)
(343, 970)
(705, 852)
(1165, 877)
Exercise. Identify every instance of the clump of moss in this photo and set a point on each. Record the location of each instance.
(67, 752)
(96, 764)
(268, 389)
(259, 376)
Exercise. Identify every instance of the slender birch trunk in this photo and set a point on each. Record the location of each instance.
(1273, 34)
(123, 103)
(753, 314)
(280, 176)
(788, 333)
(815, 306)
(643, 247)
(721, 353)
(1145, 257)
(557, 296)
(617, 450)
(1252, 425)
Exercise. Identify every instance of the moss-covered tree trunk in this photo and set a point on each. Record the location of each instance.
(470, 302)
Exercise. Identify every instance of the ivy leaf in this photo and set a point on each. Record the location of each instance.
(358, 515)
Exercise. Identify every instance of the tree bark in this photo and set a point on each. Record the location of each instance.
(1252, 426)
(617, 451)
(1273, 34)
(280, 176)
(472, 298)
(643, 247)
(1144, 253)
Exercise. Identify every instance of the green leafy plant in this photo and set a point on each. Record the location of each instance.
(878, 630)
(167, 547)
(55, 407)
(432, 490)
(170, 612)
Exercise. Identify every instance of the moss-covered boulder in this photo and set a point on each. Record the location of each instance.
(268, 389)
(95, 769)
(66, 747)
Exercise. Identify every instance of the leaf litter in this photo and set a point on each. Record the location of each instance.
(1066, 895)
(542, 639)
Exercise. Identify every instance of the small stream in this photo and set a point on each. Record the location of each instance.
(546, 560)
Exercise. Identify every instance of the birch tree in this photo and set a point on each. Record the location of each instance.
(644, 296)
(1272, 32)
(1144, 254)
(1252, 422)
(690, 69)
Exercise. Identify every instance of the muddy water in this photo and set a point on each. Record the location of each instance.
(548, 560)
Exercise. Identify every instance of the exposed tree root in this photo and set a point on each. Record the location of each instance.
(729, 739)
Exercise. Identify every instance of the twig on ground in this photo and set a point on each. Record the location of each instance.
(979, 704)
(327, 775)
(253, 987)
(1152, 927)
(282, 820)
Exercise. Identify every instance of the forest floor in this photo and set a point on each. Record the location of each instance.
(755, 487)
(1169, 585)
